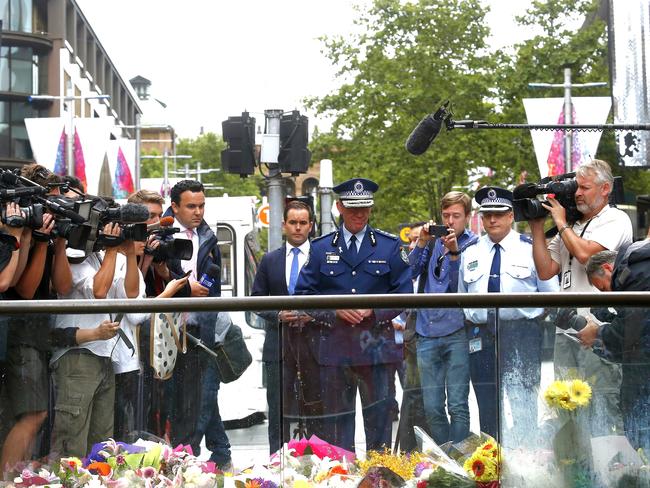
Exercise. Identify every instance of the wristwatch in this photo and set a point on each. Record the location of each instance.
(563, 228)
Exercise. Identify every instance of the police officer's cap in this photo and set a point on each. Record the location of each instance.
(356, 193)
(494, 199)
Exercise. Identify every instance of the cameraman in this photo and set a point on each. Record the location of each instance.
(46, 272)
(627, 338)
(84, 377)
(601, 227)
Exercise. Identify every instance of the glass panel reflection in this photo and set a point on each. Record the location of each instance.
(234, 400)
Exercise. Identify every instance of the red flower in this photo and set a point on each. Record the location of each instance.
(422, 484)
(478, 468)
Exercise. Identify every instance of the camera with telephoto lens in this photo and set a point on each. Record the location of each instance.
(568, 318)
(170, 248)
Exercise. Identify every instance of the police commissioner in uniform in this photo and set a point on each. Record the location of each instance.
(356, 347)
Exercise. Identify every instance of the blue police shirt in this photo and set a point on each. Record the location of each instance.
(380, 266)
(517, 275)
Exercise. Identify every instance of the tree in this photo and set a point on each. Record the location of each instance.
(406, 59)
(207, 148)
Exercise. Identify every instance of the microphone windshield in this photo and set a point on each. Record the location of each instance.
(163, 222)
(134, 213)
(213, 271)
(423, 135)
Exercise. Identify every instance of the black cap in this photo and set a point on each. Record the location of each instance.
(357, 192)
(494, 199)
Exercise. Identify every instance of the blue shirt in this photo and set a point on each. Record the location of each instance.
(442, 277)
(517, 275)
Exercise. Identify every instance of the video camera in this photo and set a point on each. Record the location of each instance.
(526, 206)
(170, 248)
(80, 221)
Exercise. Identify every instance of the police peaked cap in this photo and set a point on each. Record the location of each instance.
(356, 193)
(494, 199)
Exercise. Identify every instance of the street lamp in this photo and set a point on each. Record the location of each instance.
(70, 138)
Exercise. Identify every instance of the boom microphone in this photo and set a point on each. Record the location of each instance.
(163, 222)
(426, 131)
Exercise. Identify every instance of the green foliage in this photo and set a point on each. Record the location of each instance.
(408, 57)
(207, 148)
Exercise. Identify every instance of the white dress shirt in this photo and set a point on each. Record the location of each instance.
(189, 264)
(302, 258)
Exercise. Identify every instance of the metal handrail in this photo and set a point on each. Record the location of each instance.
(401, 301)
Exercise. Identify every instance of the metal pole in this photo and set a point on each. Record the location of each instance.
(187, 171)
(70, 139)
(568, 119)
(198, 171)
(138, 141)
(165, 186)
(276, 188)
(325, 190)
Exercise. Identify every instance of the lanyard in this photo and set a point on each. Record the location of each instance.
(581, 234)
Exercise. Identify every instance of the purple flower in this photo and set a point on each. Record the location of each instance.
(419, 467)
(268, 484)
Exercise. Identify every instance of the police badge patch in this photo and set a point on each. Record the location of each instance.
(405, 257)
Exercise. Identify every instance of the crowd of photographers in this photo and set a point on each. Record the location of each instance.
(72, 380)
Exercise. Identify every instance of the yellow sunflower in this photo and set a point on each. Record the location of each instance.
(481, 467)
(555, 393)
(580, 393)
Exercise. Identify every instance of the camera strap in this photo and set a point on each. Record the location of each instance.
(566, 276)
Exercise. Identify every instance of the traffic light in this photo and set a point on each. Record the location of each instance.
(239, 134)
(294, 156)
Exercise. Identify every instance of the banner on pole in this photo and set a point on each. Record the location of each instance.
(549, 144)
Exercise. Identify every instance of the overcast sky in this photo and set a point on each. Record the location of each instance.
(211, 59)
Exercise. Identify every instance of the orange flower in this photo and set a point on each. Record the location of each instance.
(338, 469)
(252, 483)
(103, 469)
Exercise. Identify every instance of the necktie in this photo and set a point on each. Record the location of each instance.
(494, 283)
(352, 247)
(293, 275)
(191, 264)
(189, 233)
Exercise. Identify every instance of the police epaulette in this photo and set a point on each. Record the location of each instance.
(316, 239)
(386, 234)
(525, 238)
(471, 243)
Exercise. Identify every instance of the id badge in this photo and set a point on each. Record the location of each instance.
(566, 279)
(475, 345)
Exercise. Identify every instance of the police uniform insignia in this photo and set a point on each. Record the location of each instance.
(492, 194)
(358, 186)
(332, 258)
(472, 265)
(335, 239)
(373, 239)
(404, 256)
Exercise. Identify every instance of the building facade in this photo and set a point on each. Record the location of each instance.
(50, 48)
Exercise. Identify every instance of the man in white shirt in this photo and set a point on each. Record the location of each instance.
(287, 335)
(83, 375)
(601, 227)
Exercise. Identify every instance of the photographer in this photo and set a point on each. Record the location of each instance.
(46, 272)
(627, 338)
(84, 377)
(601, 227)
(442, 345)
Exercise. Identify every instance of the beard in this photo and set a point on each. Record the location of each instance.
(586, 208)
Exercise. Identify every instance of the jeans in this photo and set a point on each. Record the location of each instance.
(443, 363)
(210, 422)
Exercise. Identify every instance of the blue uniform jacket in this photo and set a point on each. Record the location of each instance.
(380, 267)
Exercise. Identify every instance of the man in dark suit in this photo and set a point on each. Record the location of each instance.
(356, 347)
(276, 276)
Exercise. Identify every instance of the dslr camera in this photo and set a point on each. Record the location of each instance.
(170, 248)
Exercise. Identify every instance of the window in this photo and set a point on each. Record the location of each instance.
(19, 70)
(16, 15)
(225, 235)
(14, 142)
